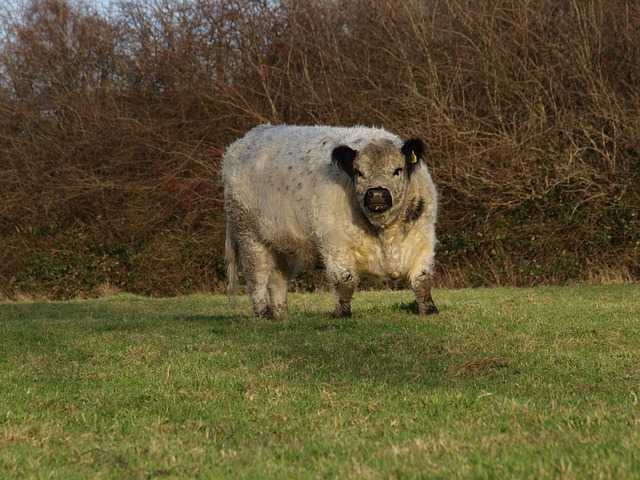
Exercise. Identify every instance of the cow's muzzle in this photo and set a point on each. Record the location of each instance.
(377, 200)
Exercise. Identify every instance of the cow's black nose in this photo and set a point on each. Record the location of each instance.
(377, 199)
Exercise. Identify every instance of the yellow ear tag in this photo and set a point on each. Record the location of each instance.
(414, 159)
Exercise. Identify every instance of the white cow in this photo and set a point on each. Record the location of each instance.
(355, 200)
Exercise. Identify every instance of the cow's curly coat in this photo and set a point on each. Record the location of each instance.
(295, 198)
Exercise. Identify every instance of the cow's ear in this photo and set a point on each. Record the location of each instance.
(343, 157)
(413, 151)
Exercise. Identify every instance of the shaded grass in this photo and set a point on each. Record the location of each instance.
(537, 383)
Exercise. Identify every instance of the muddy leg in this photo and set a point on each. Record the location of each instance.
(344, 284)
(258, 263)
(344, 293)
(278, 287)
(422, 288)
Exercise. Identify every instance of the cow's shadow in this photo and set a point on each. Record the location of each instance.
(325, 320)
(372, 346)
(207, 318)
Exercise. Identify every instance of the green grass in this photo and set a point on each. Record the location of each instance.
(504, 383)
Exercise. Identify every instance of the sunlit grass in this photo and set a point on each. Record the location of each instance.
(537, 383)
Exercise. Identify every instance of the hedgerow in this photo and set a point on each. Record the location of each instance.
(115, 119)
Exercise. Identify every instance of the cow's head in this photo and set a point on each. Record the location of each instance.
(380, 175)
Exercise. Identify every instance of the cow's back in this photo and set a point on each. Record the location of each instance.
(284, 177)
(267, 148)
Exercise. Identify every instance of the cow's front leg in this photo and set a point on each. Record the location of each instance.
(344, 283)
(421, 286)
(344, 294)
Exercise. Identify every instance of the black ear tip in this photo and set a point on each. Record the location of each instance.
(343, 157)
(343, 154)
(342, 151)
(415, 144)
(413, 150)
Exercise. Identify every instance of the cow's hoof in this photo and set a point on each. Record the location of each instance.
(340, 313)
(280, 311)
(429, 309)
(266, 312)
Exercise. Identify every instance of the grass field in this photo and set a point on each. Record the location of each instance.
(503, 383)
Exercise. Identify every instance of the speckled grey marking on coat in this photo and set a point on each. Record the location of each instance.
(364, 204)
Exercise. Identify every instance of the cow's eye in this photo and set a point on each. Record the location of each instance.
(358, 173)
(397, 172)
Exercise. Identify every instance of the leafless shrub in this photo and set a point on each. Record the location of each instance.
(114, 122)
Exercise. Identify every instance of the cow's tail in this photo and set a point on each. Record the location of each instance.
(231, 255)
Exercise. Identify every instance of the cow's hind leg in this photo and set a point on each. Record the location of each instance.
(258, 264)
(278, 287)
